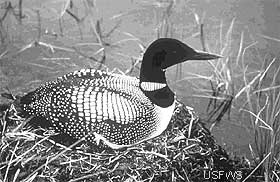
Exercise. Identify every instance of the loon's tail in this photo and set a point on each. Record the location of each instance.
(27, 99)
(15, 108)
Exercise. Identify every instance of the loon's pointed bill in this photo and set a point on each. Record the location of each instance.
(200, 55)
(117, 109)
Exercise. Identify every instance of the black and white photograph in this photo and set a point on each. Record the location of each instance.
(140, 91)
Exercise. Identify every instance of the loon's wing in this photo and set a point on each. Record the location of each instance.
(91, 102)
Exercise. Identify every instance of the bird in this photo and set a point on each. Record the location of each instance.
(117, 109)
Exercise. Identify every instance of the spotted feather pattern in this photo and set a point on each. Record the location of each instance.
(90, 103)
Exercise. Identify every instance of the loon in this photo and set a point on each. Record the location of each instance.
(118, 110)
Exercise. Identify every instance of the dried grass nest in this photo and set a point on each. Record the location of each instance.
(181, 153)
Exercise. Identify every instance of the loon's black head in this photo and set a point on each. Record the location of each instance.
(164, 53)
(161, 54)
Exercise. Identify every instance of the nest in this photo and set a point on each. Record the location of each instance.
(186, 151)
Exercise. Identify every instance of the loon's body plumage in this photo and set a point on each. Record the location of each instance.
(99, 105)
(117, 109)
